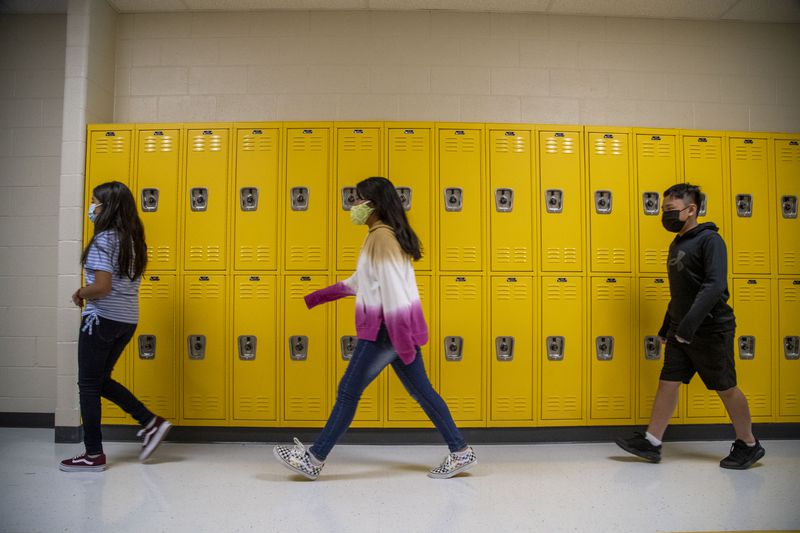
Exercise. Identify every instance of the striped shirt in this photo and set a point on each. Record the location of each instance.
(122, 303)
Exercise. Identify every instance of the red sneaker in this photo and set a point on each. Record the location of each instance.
(84, 463)
(152, 436)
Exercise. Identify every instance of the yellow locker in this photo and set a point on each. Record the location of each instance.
(253, 348)
(402, 409)
(561, 382)
(461, 340)
(611, 380)
(359, 155)
(370, 407)
(255, 197)
(153, 344)
(204, 360)
(305, 353)
(561, 200)
(157, 181)
(108, 155)
(789, 351)
(703, 166)
(787, 178)
(410, 169)
(205, 203)
(511, 351)
(610, 234)
(703, 406)
(510, 194)
(460, 190)
(307, 172)
(750, 205)
(752, 304)
(657, 170)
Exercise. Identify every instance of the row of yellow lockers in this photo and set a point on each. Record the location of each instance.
(482, 197)
(522, 350)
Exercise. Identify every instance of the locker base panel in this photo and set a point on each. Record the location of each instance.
(27, 420)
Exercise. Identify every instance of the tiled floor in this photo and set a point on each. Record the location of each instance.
(547, 488)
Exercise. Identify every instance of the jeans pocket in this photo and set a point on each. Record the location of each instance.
(106, 330)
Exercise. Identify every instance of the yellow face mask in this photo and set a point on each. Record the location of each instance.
(359, 214)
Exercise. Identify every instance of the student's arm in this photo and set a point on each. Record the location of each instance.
(664, 325)
(715, 259)
(342, 289)
(100, 259)
(100, 288)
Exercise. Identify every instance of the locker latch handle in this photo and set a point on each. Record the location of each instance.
(603, 202)
(789, 206)
(199, 198)
(555, 348)
(554, 200)
(298, 347)
(247, 347)
(299, 198)
(504, 348)
(248, 198)
(651, 203)
(348, 344)
(703, 209)
(791, 347)
(747, 347)
(504, 200)
(149, 200)
(147, 347)
(453, 199)
(605, 348)
(652, 348)
(405, 197)
(349, 197)
(197, 347)
(744, 205)
(453, 348)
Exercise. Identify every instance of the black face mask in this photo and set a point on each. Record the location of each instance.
(671, 220)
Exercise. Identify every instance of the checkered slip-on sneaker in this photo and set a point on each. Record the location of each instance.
(84, 463)
(297, 459)
(454, 464)
(152, 436)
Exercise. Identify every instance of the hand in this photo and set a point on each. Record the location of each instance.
(681, 340)
(77, 300)
(663, 340)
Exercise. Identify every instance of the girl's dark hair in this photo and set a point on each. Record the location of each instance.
(384, 198)
(120, 216)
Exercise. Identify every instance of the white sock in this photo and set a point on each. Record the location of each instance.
(751, 445)
(651, 439)
(314, 460)
(462, 453)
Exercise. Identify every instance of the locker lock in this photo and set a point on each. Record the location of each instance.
(298, 347)
(652, 348)
(147, 347)
(453, 348)
(247, 347)
(602, 202)
(453, 199)
(555, 348)
(299, 198)
(149, 200)
(199, 198)
(703, 209)
(349, 197)
(405, 197)
(747, 347)
(197, 347)
(504, 348)
(504, 200)
(554, 200)
(348, 347)
(651, 202)
(791, 348)
(789, 206)
(605, 348)
(248, 198)
(744, 205)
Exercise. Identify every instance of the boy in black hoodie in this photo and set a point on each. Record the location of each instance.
(698, 330)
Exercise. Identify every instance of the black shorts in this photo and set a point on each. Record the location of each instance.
(710, 355)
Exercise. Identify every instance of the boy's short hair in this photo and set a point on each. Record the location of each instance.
(685, 191)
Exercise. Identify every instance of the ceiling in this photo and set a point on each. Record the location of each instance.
(743, 10)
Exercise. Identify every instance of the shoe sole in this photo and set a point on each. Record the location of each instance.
(454, 472)
(647, 456)
(82, 468)
(155, 441)
(290, 467)
(759, 455)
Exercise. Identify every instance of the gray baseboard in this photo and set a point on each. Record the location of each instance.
(27, 420)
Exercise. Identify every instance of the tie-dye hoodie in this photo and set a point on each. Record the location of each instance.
(386, 293)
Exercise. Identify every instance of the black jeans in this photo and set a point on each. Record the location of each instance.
(98, 352)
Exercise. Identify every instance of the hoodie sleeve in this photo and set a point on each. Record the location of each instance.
(342, 289)
(715, 259)
(664, 325)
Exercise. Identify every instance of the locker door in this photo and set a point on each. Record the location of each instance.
(561, 201)
(108, 157)
(358, 156)
(750, 205)
(609, 202)
(204, 348)
(511, 221)
(370, 406)
(253, 348)
(255, 198)
(402, 408)
(657, 169)
(511, 349)
(787, 177)
(753, 345)
(307, 173)
(610, 349)
(305, 353)
(562, 341)
(702, 166)
(461, 368)
(157, 182)
(153, 344)
(205, 202)
(460, 216)
(789, 349)
(410, 160)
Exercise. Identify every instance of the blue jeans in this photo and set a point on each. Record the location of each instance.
(369, 359)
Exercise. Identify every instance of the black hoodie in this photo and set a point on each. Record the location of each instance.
(698, 285)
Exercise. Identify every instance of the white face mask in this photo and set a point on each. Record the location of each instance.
(92, 214)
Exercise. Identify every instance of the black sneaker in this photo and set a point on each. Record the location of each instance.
(639, 445)
(743, 456)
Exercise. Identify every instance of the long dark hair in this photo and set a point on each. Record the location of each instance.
(119, 215)
(384, 198)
